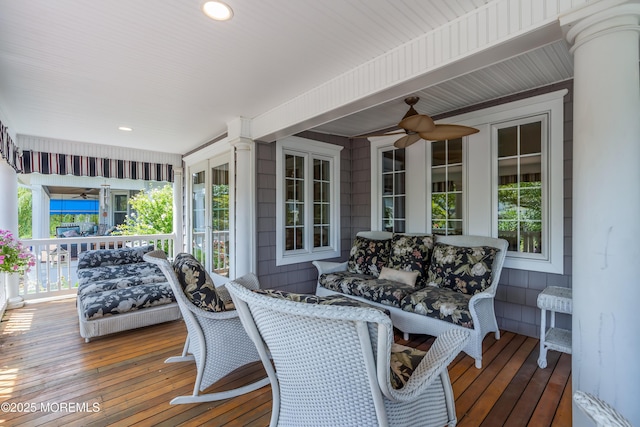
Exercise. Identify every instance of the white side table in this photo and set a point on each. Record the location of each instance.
(556, 300)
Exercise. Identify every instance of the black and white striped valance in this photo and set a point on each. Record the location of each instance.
(8, 150)
(67, 164)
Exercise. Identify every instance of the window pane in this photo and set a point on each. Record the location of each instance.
(387, 161)
(531, 170)
(438, 177)
(288, 238)
(439, 227)
(299, 190)
(121, 202)
(531, 138)
(455, 228)
(454, 203)
(387, 183)
(507, 173)
(508, 230)
(531, 204)
(438, 153)
(399, 226)
(398, 208)
(399, 183)
(399, 159)
(508, 204)
(454, 151)
(455, 178)
(508, 141)
(439, 206)
(530, 237)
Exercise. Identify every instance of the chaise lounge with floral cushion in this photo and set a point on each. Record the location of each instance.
(118, 290)
(429, 283)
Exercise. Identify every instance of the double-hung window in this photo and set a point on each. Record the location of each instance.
(307, 200)
(521, 181)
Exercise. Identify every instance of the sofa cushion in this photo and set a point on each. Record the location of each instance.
(404, 361)
(411, 253)
(196, 283)
(383, 291)
(121, 282)
(368, 256)
(105, 257)
(440, 303)
(463, 269)
(117, 301)
(405, 277)
(141, 269)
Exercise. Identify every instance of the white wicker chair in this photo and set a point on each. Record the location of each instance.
(216, 341)
(599, 411)
(331, 364)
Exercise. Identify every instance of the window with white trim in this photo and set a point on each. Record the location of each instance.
(521, 181)
(307, 200)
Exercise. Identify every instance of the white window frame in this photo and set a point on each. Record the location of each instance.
(308, 149)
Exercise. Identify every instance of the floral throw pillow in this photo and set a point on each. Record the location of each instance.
(411, 253)
(368, 256)
(196, 283)
(463, 269)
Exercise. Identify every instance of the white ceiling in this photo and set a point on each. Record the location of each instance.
(76, 69)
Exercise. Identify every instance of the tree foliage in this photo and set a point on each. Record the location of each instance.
(152, 212)
(25, 209)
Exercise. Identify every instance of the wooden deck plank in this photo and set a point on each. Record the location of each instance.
(44, 359)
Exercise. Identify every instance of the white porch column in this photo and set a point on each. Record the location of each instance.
(606, 203)
(178, 211)
(9, 221)
(243, 198)
(40, 212)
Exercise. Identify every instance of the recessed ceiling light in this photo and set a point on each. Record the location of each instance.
(125, 128)
(217, 10)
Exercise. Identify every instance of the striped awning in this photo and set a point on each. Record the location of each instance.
(67, 164)
(8, 150)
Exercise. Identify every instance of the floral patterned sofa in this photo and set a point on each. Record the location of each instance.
(428, 283)
(118, 291)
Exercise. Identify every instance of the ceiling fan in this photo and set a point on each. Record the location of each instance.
(85, 196)
(420, 126)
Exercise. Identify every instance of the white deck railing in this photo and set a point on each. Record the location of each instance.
(57, 259)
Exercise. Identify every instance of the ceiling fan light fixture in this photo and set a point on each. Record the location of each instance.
(217, 10)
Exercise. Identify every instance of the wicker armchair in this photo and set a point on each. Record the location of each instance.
(216, 341)
(332, 364)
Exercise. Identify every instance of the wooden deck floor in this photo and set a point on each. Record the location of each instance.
(122, 380)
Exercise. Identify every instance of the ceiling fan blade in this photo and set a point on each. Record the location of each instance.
(442, 132)
(407, 140)
(378, 134)
(417, 123)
